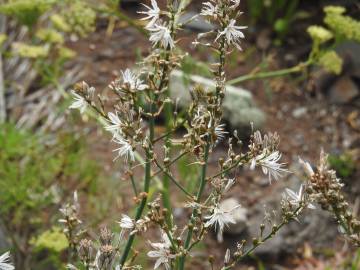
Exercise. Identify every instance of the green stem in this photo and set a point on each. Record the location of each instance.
(168, 120)
(194, 212)
(133, 182)
(166, 180)
(142, 205)
(270, 74)
(134, 185)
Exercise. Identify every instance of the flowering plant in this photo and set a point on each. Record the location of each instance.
(139, 99)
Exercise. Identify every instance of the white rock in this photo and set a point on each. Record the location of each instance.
(299, 112)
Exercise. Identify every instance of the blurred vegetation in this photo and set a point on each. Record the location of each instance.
(278, 14)
(49, 23)
(36, 174)
(343, 164)
(325, 41)
(340, 28)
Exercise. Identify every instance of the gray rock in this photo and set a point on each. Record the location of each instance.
(343, 91)
(315, 227)
(238, 107)
(351, 50)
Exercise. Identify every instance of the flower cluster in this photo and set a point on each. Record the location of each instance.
(225, 14)
(71, 221)
(265, 154)
(97, 257)
(5, 263)
(326, 189)
(160, 32)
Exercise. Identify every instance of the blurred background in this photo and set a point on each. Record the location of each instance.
(47, 152)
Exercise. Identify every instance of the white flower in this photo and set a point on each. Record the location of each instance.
(5, 263)
(269, 165)
(126, 222)
(227, 256)
(125, 149)
(79, 103)
(220, 132)
(235, 3)
(232, 34)
(229, 184)
(76, 201)
(220, 218)
(162, 252)
(296, 198)
(307, 167)
(161, 34)
(133, 81)
(152, 13)
(114, 122)
(209, 9)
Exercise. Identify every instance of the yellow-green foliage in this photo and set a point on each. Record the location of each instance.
(65, 53)
(319, 34)
(26, 11)
(36, 173)
(60, 23)
(332, 62)
(30, 51)
(80, 17)
(50, 35)
(3, 37)
(342, 25)
(54, 240)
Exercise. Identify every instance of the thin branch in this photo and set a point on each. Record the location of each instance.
(271, 74)
(198, 198)
(171, 162)
(2, 86)
(173, 179)
(273, 232)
